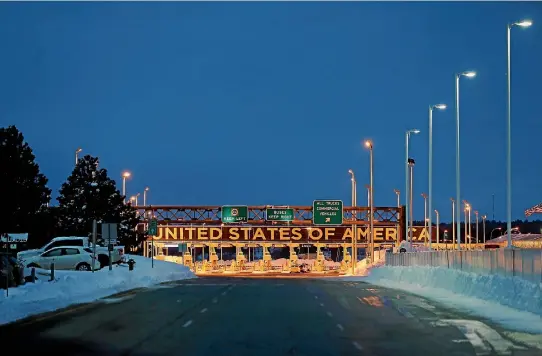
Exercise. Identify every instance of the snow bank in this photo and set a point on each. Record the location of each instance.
(73, 287)
(511, 301)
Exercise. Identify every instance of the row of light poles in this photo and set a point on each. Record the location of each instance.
(410, 162)
(134, 198)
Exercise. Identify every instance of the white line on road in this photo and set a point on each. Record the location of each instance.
(315, 297)
(203, 310)
(357, 346)
(187, 324)
(329, 314)
(224, 293)
(178, 300)
(321, 304)
(215, 300)
(340, 327)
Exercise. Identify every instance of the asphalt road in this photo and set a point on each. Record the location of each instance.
(262, 316)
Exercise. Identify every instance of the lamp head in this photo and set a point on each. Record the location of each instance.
(524, 23)
(146, 189)
(369, 144)
(126, 174)
(440, 106)
(470, 74)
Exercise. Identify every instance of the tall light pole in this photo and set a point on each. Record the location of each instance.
(465, 206)
(425, 215)
(484, 217)
(398, 193)
(125, 175)
(492, 231)
(453, 223)
(368, 187)
(438, 227)
(468, 74)
(476, 214)
(407, 165)
(431, 108)
(77, 151)
(524, 23)
(145, 196)
(354, 226)
(411, 163)
(369, 145)
(136, 197)
(470, 228)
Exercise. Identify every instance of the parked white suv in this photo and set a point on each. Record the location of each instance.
(76, 241)
(65, 257)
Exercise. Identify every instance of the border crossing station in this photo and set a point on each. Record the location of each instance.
(271, 239)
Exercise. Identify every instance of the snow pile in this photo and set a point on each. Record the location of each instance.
(73, 287)
(363, 267)
(509, 300)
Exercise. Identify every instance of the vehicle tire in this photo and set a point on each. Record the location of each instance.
(104, 260)
(33, 265)
(83, 267)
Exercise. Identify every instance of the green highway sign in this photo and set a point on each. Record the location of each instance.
(234, 214)
(153, 228)
(279, 214)
(327, 212)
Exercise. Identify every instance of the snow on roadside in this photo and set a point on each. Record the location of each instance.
(73, 287)
(510, 301)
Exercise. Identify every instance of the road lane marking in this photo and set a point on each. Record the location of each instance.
(178, 300)
(357, 346)
(340, 327)
(203, 310)
(315, 297)
(224, 293)
(329, 314)
(187, 324)
(482, 337)
(321, 304)
(116, 300)
(344, 303)
(215, 300)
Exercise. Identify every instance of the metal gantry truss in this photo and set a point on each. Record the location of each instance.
(211, 215)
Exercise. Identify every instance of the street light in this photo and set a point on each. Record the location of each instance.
(368, 187)
(476, 214)
(524, 23)
(484, 217)
(466, 210)
(438, 227)
(492, 231)
(425, 215)
(439, 107)
(354, 226)
(124, 175)
(136, 197)
(469, 74)
(398, 193)
(411, 163)
(145, 196)
(77, 151)
(369, 145)
(407, 165)
(453, 223)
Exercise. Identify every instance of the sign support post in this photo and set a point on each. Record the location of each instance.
(152, 231)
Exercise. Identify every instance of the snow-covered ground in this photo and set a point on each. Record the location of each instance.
(510, 301)
(73, 287)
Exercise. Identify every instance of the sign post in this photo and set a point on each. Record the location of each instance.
(279, 214)
(327, 212)
(94, 234)
(109, 235)
(153, 231)
(234, 214)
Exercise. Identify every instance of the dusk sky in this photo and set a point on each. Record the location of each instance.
(269, 103)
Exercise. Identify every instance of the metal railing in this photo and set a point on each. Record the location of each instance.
(522, 263)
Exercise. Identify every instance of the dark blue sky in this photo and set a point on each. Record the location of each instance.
(268, 103)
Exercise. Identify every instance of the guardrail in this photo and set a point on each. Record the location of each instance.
(526, 264)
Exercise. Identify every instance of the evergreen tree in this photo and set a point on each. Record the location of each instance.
(90, 194)
(23, 188)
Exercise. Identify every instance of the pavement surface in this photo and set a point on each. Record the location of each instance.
(263, 316)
